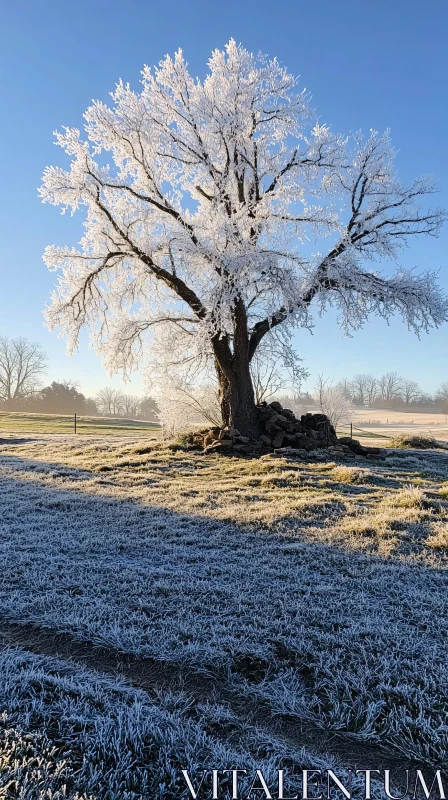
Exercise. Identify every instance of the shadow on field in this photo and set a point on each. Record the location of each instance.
(343, 640)
(15, 440)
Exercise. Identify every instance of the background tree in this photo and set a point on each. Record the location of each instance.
(148, 409)
(332, 400)
(359, 386)
(442, 398)
(130, 405)
(370, 388)
(110, 401)
(22, 365)
(198, 224)
(390, 387)
(63, 398)
(345, 387)
(410, 391)
(90, 408)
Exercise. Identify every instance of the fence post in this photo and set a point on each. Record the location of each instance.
(351, 430)
(75, 421)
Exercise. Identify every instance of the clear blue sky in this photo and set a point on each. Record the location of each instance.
(367, 63)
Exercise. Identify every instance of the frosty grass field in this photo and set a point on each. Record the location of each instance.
(162, 609)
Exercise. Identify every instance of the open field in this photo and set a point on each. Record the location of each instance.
(387, 417)
(375, 424)
(383, 422)
(163, 609)
(17, 423)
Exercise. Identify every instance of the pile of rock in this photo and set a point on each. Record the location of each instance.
(282, 429)
(281, 433)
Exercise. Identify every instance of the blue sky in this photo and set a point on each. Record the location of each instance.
(369, 63)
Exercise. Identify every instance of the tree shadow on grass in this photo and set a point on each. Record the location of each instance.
(15, 441)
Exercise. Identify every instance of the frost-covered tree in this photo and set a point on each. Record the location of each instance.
(204, 214)
(333, 401)
(186, 404)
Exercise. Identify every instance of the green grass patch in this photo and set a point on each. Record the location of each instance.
(15, 422)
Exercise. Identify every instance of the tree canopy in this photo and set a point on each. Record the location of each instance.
(226, 212)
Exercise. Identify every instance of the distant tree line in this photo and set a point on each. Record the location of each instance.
(115, 403)
(392, 391)
(388, 391)
(64, 398)
(22, 366)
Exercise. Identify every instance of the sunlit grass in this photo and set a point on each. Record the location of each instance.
(355, 475)
(359, 506)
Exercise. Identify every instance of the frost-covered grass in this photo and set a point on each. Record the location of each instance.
(319, 588)
(69, 733)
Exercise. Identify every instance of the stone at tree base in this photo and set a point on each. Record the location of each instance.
(229, 433)
(291, 451)
(278, 439)
(213, 447)
(242, 448)
(223, 444)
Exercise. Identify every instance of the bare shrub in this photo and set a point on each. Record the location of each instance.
(408, 441)
(333, 401)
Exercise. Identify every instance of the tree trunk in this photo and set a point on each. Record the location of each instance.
(236, 393)
(236, 396)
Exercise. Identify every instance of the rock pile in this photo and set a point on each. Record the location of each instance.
(281, 433)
